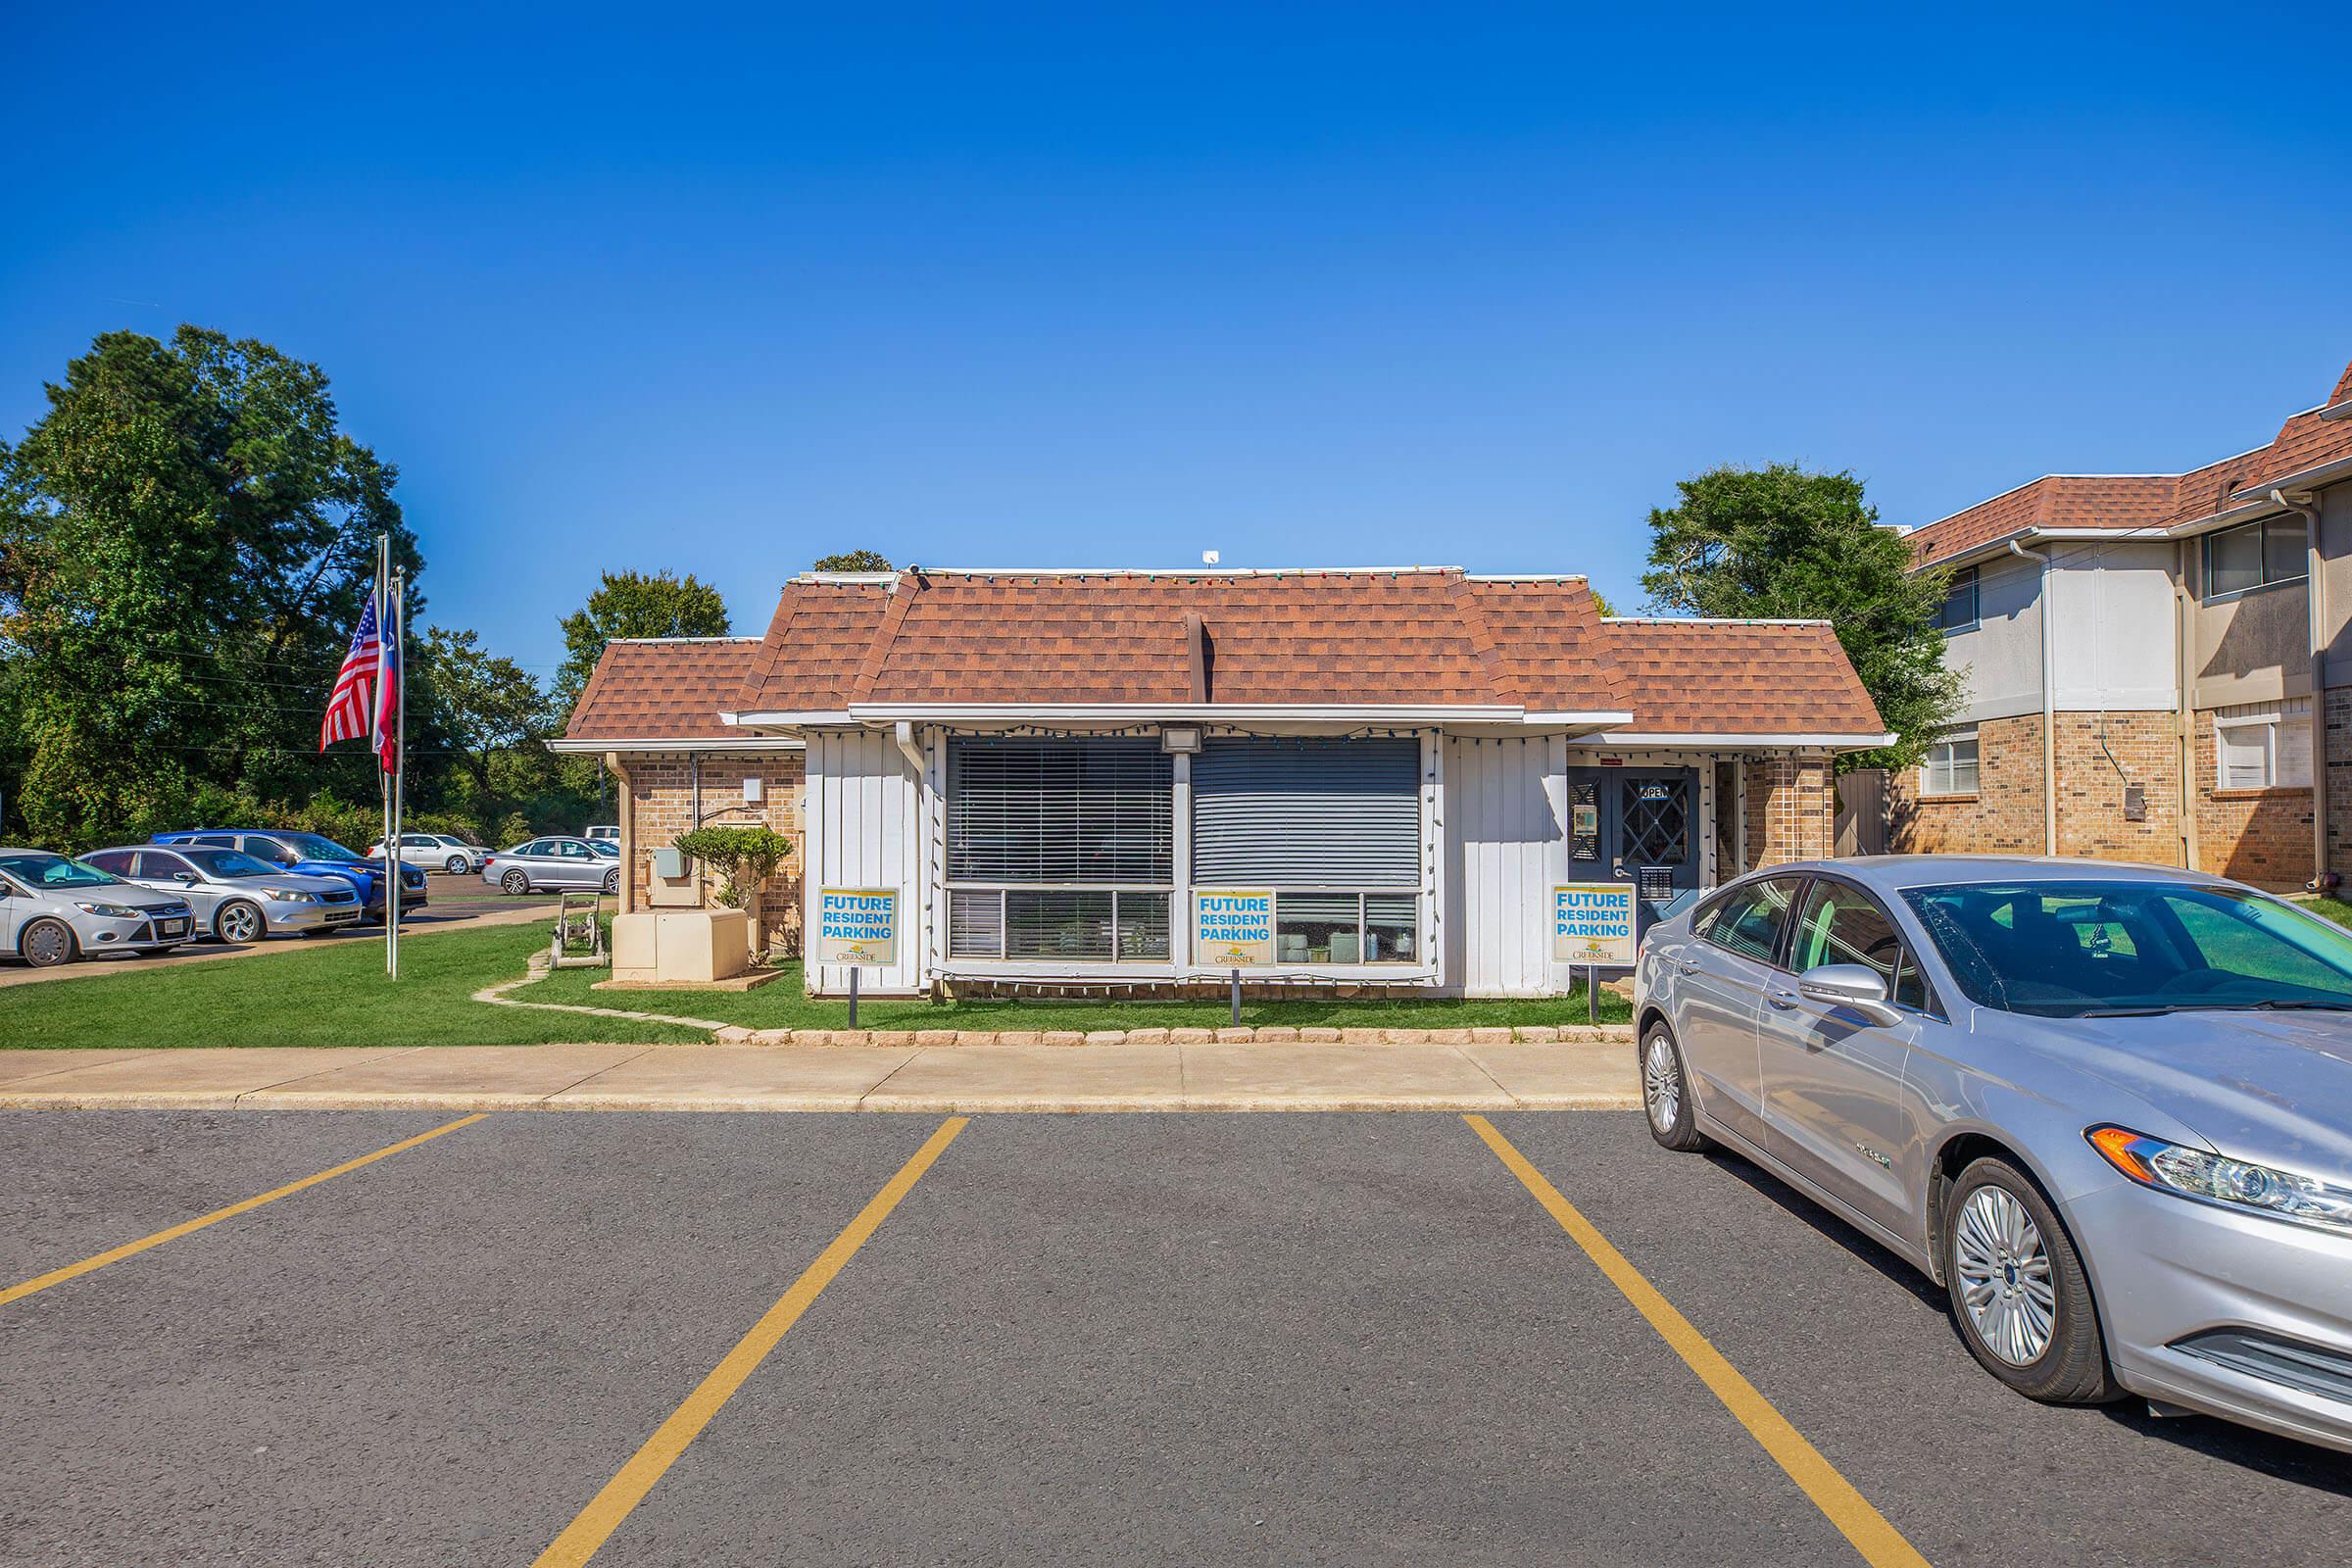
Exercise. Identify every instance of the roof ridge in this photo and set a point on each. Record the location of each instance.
(1471, 608)
(894, 616)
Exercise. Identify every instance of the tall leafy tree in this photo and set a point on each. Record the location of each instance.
(854, 561)
(1758, 542)
(185, 536)
(481, 703)
(634, 604)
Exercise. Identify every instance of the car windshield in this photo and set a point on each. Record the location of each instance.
(310, 847)
(228, 863)
(2075, 950)
(609, 851)
(54, 872)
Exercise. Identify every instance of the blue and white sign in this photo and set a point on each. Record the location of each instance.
(1592, 922)
(1233, 927)
(857, 926)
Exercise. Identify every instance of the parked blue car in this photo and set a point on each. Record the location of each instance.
(309, 855)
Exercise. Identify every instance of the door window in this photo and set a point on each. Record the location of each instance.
(1655, 821)
(116, 861)
(1749, 919)
(1844, 925)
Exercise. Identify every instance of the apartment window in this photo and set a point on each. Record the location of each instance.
(1950, 767)
(2263, 746)
(1958, 612)
(1332, 826)
(2254, 555)
(1060, 849)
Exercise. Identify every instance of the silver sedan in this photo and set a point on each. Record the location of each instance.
(54, 910)
(555, 862)
(2107, 1108)
(237, 897)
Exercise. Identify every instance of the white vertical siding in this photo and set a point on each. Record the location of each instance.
(866, 817)
(1507, 842)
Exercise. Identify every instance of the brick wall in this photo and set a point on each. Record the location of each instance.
(1792, 808)
(2099, 755)
(2257, 836)
(2002, 818)
(659, 801)
(2337, 711)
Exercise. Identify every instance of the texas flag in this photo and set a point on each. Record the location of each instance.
(385, 730)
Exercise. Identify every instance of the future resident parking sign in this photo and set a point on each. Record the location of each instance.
(857, 926)
(1233, 927)
(1592, 922)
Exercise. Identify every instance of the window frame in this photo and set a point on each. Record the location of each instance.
(2206, 592)
(2270, 725)
(1780, 941)
(1973, 580)
(1909, 952)
(1972, 735)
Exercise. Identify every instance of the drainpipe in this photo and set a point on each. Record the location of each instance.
(2185, 631)
(2314, 592)
(904, 734)
(2049, 711)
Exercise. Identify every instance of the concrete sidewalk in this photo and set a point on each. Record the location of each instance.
(911, 1077)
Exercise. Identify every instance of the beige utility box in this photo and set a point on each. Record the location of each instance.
(681, 945)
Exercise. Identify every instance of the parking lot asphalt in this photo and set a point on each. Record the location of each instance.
(1155, 1339)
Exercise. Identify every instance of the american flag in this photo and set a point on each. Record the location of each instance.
(351, 706)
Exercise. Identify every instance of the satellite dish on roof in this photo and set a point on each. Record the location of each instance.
(1208, 558)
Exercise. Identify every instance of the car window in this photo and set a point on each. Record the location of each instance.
(1749, 919)
(228, 863)
(115, 862)
(161, 866)
(218, 840)
(262, 849)
(535, 847)
(571, 849)
(1841, 924)
(2068, 950)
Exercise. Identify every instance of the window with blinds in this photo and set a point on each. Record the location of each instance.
(2263, 746)
(1308, 813)
(1949, 767)
(1060, 849)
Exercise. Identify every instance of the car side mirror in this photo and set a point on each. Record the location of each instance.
(1856, 987)
(189, 877)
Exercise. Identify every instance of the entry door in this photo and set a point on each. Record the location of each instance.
(1635, 824)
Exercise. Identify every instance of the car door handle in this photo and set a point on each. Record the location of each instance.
(1783, 999)
(1687, 965)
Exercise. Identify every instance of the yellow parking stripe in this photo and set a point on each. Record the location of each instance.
(608, 1509)
(1880, 1542)
(73, 1271)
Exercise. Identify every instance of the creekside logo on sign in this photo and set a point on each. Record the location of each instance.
(1233, 927)
(1592, 922)
(857, 926)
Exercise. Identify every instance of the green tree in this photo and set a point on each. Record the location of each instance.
(1781, 542)
(482, 704)
(632, 604)
(854, 560)
(1600, 606)
(185, 537)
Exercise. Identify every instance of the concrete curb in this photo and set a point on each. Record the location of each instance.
(1518, 1034)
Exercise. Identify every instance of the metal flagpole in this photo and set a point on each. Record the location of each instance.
(400, 756)
(383, 577)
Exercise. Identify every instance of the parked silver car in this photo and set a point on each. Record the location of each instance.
(555, 862)
(434, 852)
(52, 910)
(2109, 1107)
(236, 898)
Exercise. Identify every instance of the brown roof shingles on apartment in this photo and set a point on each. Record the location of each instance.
(1421, 637)
(2142, 500)
(662, 690)
(1737, 677)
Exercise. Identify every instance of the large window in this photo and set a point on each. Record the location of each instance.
(1958, 612)
(1332, 826)
(1950, 765)
(1060, 849)
(2254, 555)
(2263, 746)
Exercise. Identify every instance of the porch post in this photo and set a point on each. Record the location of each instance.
(1180, 894)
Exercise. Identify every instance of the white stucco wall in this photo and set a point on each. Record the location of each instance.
(2000, 659)
(865, 827)
(2112, 627)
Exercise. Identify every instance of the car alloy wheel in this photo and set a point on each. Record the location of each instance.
(515, 881)
(45, 944)
(454, 865)
(2004, 1275)
(239, 923)
(613, 880)
(1661, 1082)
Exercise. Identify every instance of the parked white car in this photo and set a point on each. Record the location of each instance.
(435, 852)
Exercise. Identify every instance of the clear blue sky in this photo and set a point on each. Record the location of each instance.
(1111, 286)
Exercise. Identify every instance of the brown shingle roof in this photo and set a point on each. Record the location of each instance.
(1418, 637)
(669, 690)
(2142, 501)
(1737, 677)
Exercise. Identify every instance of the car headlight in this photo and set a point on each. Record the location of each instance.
(290, 896)
(2218, 1179)
(113, 911)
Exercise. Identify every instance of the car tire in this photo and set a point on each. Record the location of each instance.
(2019, 1291)
(516, 881)
(238, 922)
(45, 944)
(1666, 1101)
(454, 865)
(613, 880)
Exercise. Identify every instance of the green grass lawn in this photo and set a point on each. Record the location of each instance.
(336, 994)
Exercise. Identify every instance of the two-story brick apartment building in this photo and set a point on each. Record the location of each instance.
(2159, 666)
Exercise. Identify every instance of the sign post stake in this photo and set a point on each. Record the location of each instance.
(854, 972)
(1592, 995)
(1236, 999)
